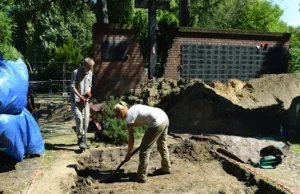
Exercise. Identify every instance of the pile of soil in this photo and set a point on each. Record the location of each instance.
(255, 107)
(192, 166)
(266, 91)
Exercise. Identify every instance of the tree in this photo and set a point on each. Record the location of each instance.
(125, 7)
(294, 58)
(202, 12)
(184, 12)
(101, 13)
(52, 29)
(69, 53)
(254, 15)
(5, 28)
(6, 25)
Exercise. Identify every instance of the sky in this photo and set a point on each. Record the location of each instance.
(291, 13)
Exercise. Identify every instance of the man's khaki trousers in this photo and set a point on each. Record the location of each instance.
(152, 135)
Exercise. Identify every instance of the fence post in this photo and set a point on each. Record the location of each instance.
(64, 78)
(50, 86)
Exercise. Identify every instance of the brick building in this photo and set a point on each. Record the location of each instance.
(223, 55)
(195, 53)
(119, 64)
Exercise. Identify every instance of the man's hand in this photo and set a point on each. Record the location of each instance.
(98, 125)
(127, 157)
(88, 95)
(82, 99)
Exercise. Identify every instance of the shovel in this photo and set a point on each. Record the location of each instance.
(85, 124)
(109, 176)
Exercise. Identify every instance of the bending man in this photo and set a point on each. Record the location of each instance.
(157, 122)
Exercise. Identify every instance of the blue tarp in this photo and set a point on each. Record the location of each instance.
(19, 132)
(14, 81)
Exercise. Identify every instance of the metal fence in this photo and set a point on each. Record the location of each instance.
(53, 81)
(51, 87)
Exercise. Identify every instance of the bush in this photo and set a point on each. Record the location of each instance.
(294, 61)
(9, 52)
(115, 129)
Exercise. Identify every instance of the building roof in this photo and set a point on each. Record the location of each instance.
(231, 33)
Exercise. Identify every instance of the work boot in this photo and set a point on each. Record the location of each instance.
(84, 141)
(134, 178)
(161, 172)
(81, 143)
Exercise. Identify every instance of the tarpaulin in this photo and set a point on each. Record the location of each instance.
(263, 152)
(20, 135)
(19, 132)
(13, 86)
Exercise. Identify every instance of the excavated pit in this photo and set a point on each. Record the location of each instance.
(195, 169)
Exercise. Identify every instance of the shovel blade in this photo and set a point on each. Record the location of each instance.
(105, 177)
(108, 177)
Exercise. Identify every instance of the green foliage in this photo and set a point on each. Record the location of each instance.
(116, 129)
(69, 53)
(261, 15)
(294, 59)
(167, 22)
(253, 15)
(294, 62)
(44, 25)
(5, 28)
(202, 13)
(9, 52)
(121, 12)
(295, 39)
(140, 25)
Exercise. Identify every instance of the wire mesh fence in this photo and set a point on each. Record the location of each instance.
(50, 78)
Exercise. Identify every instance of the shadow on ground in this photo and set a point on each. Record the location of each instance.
(7, 163)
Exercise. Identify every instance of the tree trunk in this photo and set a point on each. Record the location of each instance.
(184, 13)
(102, 15)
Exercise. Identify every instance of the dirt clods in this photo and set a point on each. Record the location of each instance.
(194, 170)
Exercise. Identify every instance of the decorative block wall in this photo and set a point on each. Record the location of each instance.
(218, 55)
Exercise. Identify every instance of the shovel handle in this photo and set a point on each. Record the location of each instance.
(123, 162)
(120, 165)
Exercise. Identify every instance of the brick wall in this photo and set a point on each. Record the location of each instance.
(116, 77)
(194, 36)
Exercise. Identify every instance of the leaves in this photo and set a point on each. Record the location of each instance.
(294, 63)
(116, 130)
(8, 51)
(5, 28)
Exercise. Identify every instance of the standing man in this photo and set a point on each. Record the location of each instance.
(81, 84)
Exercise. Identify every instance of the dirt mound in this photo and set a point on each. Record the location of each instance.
(191, 162)
(255, 107)
(261, 92)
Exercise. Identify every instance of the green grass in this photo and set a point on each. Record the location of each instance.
(296, 148)
(49, 157)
